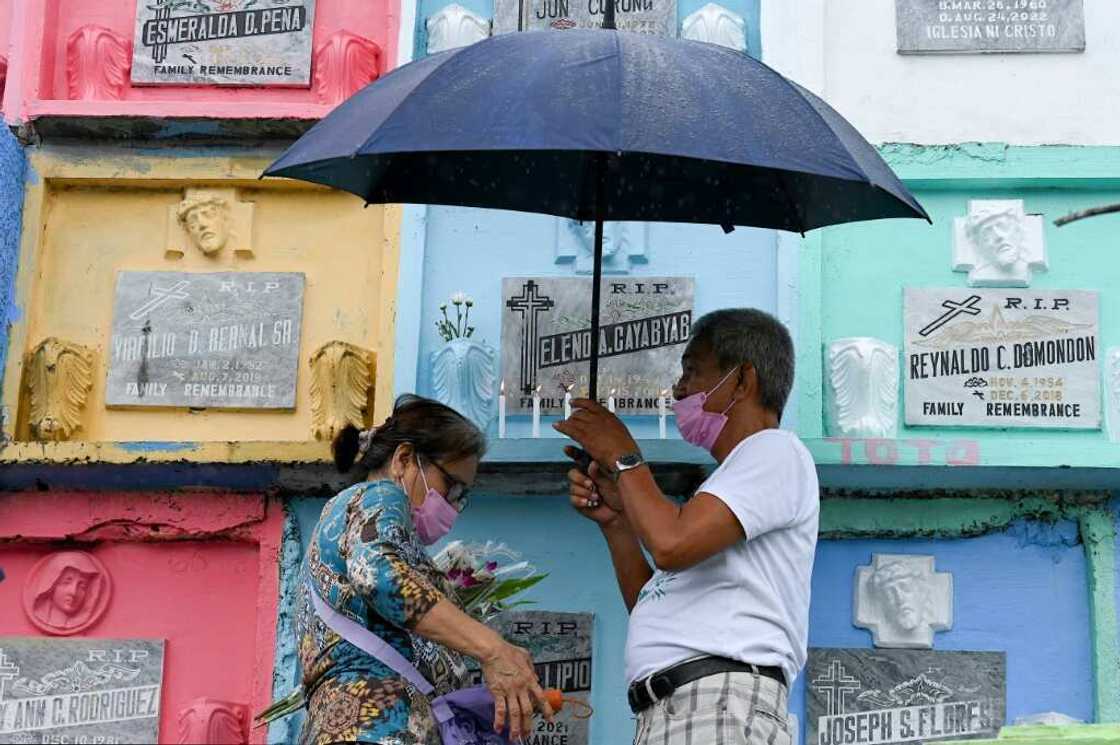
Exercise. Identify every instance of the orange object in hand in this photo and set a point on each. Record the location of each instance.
(556, 699)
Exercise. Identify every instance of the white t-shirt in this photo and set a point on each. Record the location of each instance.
(750, 602)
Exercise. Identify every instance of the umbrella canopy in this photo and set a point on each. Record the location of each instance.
(679, 131)
(601, 125)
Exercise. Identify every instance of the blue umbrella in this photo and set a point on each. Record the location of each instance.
(601, 125)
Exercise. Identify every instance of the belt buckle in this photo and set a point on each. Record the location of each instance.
(649, 690)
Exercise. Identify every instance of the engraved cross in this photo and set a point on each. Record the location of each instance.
(529, 305)
(835, 687)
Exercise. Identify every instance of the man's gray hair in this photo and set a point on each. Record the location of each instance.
(738, 335)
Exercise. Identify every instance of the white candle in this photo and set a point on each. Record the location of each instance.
(610, 401)
(662, 404)
(568, 401)
(537, 412)
(502, 410)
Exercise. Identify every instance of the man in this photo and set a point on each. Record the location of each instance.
(718, 628)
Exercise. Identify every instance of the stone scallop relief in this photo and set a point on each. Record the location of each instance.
(716, 24)
(66, 592)
(209, 721)
(344, 64)
(465, 377)
(59, 379)
(903, 601)
(454, 26)
(97, 64)
(341, 380)
(862, 388)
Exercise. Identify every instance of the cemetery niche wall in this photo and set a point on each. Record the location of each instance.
(241, 61)
(170, 299)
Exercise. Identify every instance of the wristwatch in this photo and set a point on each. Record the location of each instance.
(628, 462)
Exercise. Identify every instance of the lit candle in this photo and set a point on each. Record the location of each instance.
(537, 412)
(568, 401)
(662, 405)
(610, 401)
(502, 410)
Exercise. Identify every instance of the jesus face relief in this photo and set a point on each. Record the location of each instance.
(999, 240)
(208, 226)
(903, 599)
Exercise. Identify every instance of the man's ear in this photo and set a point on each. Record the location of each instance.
(747, 387)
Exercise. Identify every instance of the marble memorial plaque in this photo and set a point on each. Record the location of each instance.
(987, 26)
(637, 16)
(223, 340)
(1002, 358)
(546, 339)
(561, 647)
(223, 42)
(80, 690)
(884, 697)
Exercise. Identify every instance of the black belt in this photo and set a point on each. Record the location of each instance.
(644, 693)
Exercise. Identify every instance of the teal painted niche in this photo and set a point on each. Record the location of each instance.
(892, 254)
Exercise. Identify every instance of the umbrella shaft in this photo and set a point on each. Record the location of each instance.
(596, 290)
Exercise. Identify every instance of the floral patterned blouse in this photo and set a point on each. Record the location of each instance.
(367, 562)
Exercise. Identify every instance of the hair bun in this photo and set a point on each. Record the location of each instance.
(345, 448)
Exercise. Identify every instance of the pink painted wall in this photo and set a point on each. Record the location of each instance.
(5, 36)
(41, 30)
(198, 570)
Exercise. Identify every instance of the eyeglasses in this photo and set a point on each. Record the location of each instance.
(458, 495)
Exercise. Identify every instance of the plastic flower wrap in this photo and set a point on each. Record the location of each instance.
(486, 576)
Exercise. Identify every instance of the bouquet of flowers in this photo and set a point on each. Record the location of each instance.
(461, 328)
(486, 576)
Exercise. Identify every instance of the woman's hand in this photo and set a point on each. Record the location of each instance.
(509, 674)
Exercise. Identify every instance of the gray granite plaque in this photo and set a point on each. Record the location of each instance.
(223, 42)
(80, 690)
(546, 339)
(224, 340)
(986, 26)
(882, 697)
(1002, 358)
(638, 16)
(561, 647)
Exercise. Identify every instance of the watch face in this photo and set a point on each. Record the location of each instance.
(631, 460)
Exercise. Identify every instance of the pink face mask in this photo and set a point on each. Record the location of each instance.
(435, 515)
(699, 427)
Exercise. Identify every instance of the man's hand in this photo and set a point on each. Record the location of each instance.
(599, 432)
(594, 495)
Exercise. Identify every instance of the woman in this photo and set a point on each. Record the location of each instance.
(367, 560)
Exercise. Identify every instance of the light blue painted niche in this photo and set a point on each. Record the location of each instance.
(1022, 591)
(12, 176)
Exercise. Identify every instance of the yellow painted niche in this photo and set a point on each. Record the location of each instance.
(92, 213)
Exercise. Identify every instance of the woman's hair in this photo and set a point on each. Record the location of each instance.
(433, 429)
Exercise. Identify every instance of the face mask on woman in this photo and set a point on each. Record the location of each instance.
(435, 515)
(699, 427)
